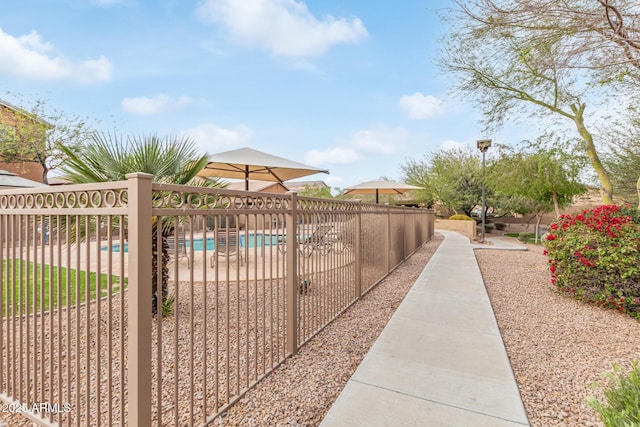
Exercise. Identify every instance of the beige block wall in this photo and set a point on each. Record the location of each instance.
(468, 228)
(28, 170)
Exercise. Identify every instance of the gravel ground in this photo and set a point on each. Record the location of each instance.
(557, 346)
(342, 347)
(301, 391)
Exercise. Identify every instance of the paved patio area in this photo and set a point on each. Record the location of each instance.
(258, 262)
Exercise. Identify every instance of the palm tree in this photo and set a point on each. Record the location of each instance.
(172, 160)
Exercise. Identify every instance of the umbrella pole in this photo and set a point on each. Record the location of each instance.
(377, 196)
(246, 178)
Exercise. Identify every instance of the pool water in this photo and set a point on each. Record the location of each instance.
(254, 240)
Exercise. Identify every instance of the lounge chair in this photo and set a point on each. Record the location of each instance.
(227, 245)
(320, 239)
(178, 248)
(319, 235)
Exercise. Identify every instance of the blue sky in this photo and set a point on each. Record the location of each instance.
(349, 86)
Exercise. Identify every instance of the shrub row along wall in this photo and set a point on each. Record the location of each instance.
(239, 282)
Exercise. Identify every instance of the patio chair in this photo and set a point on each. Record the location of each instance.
(319, 234)
(178, 248)
(227, 245)
(318, 239)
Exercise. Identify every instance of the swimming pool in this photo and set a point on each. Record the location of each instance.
(254, 240)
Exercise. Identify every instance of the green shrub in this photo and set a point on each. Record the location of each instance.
(488, 228)
(632, 212)
(525, 236)
(622, 407)
(168, 305)
(595, 256)
(500, 225)
(461, 217)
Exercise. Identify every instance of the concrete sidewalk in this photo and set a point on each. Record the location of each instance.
(440, 361)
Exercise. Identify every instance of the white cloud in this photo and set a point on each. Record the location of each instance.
(285, 27)
(95, 70)
(420, 106)
(32, 58)
(145, 106)
(451, 145)
(335, 155)
(211, 138)
(334, 181)
(184, 100)
(380, 140)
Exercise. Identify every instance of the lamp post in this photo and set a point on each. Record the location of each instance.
(483, 146)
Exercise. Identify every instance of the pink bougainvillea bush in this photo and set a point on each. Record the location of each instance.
(595, 256)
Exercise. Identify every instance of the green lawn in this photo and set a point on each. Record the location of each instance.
(526, 237)
(28, 279)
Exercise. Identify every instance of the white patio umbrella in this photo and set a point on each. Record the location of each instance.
(247, 163)
(11, 180)
(380, 187)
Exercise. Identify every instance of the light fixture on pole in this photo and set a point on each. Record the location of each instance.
(483, 146)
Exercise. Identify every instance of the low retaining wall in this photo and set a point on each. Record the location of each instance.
(468, 228)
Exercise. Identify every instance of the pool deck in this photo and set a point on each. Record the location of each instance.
(258, 262)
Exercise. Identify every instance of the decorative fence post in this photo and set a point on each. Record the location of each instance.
(388, 242)
(404, 233)
(292, 275)
(139, 304)
(357, 251)
(432, 223)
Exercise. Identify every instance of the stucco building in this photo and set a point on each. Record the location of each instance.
(12, 119)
